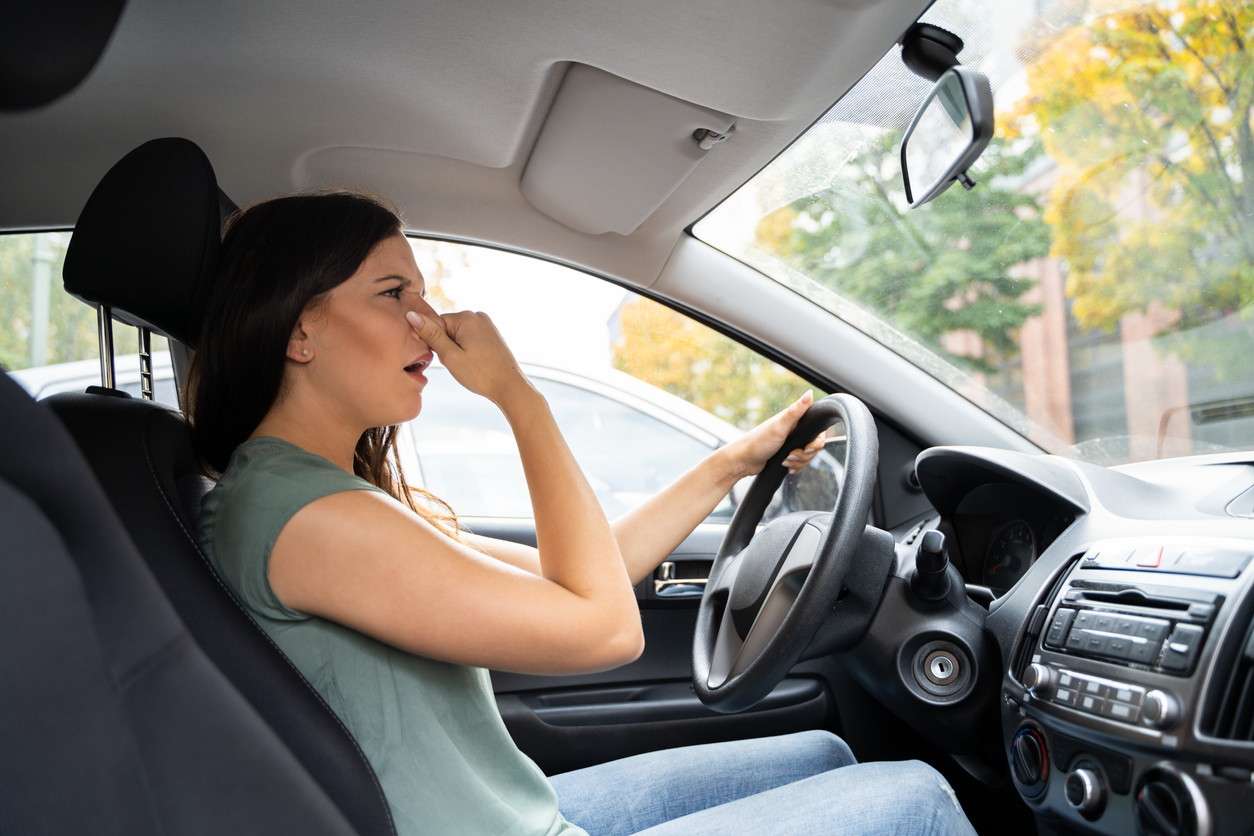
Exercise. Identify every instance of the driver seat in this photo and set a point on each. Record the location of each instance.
(145, 251)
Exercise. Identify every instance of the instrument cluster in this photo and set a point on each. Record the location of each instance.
(1001, 530)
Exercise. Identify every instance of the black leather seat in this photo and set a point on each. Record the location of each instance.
(146, 245)
(112, 720)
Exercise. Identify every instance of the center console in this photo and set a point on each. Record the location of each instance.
(1129, 705)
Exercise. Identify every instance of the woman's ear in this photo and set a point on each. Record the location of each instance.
(299, 346)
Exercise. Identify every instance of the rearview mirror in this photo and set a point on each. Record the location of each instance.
(948, 134)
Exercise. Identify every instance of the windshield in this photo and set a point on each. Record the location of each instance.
(1095, 291)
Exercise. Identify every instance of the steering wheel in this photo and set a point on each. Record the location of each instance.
(770, 592)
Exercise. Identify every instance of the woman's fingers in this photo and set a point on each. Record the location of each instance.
(431, 330)
(802, 456)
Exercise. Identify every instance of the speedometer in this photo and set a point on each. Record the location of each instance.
(1014, 549)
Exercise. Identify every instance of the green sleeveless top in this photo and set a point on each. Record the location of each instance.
(430, 729)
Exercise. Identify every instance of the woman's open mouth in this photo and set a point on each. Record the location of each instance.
(416, 368)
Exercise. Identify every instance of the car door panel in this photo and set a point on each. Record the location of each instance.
(569, 722)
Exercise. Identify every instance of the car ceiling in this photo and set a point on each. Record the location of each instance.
(438, 104)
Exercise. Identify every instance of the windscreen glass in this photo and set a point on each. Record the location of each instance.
(1095, 291)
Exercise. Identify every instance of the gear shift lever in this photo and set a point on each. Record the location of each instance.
(930, 581)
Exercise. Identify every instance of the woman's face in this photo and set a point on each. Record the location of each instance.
(365, 362)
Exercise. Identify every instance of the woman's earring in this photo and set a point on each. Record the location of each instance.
(304, 352)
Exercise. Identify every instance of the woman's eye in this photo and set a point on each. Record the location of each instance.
(395, 292)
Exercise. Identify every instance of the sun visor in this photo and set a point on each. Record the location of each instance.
(612, 151)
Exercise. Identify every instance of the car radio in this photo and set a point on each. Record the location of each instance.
(1106, 684)
(1139, 620)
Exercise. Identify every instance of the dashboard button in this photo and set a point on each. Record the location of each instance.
(1142, 652)
(1120, 711)
(1090, 703)
(1152, 629)
(1058, 627)
(1075, 639)
(1129, 694)
(1093, 687)
(1125, 626)
(1104, 622)
(1118, 647)
(1094, 643)
(1211, 562)
(1084, 620)
(1065, 696)
(1182, 647)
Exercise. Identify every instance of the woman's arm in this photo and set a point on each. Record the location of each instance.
(361, 559)
(648, 533)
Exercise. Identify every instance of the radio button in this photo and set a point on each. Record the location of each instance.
(1084, 620)
(1075, 640)
(1120, 711)
(1058, 627)
(1129, 694)
(1183, 645)
(1118, 647)
(1142, 652)
(1065, 696)
(1095, 643)
(1091, 704)
(1152, 629)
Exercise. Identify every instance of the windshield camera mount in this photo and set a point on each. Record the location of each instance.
(928, 50)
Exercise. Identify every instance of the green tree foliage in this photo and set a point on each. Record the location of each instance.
(1148, 110)
(943, 267)
(71, 326)
(700, 365)
(71, 323)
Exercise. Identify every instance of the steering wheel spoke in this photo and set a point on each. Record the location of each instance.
(732, 655)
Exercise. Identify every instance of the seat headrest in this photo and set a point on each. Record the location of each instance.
(146, 243)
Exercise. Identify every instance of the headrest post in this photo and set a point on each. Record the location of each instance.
(104, 320)
(145, 364)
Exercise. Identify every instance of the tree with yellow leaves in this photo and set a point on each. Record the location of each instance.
(1146, 110)
(673, 352)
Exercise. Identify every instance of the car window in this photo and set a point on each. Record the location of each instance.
(47, 336)
(468, 457)
(641, 393)
(1095, 290)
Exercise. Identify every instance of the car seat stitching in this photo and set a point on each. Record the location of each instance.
(205, 559)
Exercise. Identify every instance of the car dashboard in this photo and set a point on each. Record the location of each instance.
(1121, 608)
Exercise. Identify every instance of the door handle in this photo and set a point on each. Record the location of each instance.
(666, 585)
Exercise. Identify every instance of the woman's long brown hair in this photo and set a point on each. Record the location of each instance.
(278, 259)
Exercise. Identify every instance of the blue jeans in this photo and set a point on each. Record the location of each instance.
(805, 783)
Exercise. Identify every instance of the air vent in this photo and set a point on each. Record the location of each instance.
(1229, 710)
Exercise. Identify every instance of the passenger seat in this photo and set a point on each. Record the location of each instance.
(145, 249)
(112, 720)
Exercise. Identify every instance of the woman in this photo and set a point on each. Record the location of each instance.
(313, 351)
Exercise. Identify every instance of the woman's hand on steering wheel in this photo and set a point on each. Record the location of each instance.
(752, 451)
(473, 351)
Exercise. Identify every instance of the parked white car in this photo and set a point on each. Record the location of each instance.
(629, 437)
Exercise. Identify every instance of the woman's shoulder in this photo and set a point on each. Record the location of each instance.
(268, 475)
(267, 481)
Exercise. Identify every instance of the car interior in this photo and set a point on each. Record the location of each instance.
(1054, 614)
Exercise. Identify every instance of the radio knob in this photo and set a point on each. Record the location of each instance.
(1160, 710)
(1084, 791)
(1039, 680)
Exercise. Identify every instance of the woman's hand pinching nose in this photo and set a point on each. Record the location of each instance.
(415, 319)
